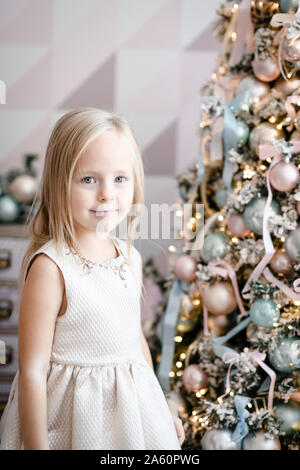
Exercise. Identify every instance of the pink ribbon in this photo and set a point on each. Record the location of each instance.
(285, 289)
(285, 20)
(229, 271)
(216, 146)
(256, 356)
(268, 151)
(244, 33)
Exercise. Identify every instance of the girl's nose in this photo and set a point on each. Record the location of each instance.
(105, 191)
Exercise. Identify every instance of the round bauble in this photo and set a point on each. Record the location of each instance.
(242, 133)
(218, 439)
(257, 89)
(264, 133)
(264, 312)
(284, 176)
(289, 416)
(194, 378)
(219, 298)
(288, 6)
(215, 246)
(291, 49)
(260, 442)
(266, 70)
(9, 209)
(292, 245)
(286, 87)
(221, 196)
(23, 188)
(236, 225)
(254, 213)
(185, 268)
(285, 355)
(281, 264)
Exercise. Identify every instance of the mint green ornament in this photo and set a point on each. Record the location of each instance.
(254, 213)
(215, 246)
(289, 415)
(9, 209)
(221, 196)
(285, 356)
(264, 312)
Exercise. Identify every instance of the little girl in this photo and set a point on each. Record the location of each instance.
(85, 378)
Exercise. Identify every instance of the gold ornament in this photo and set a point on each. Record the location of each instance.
(264, 133)
(286, 87)
(23, 188)
(262, 11)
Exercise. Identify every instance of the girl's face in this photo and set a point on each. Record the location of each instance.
(103, 184)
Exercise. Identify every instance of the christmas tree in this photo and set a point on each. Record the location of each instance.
(230, 354)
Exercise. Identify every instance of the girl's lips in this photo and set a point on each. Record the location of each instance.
(100, 213)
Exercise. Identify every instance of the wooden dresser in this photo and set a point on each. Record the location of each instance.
(14, 239)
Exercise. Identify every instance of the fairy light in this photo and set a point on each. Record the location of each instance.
(263, 167)
(235, 6)
(288, 119)
(233, 36)
(279, 126)
(172, 248)
(275, 324)
(235, 240)
(290, 327)
(282, 239)
(198, 215)
(220, 218)
(297, 303)
(178, 364)
(178, 339)
(248, 173)
(272, 119)
(214, 76)
(269, 160)
(171, 374)
(182, 356)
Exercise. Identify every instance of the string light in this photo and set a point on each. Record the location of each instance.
(182, 356)
(172, 248)
(220, 218)
(178, 339)
(272, 119)
(178, 364)
(171, 374)
(233, 37)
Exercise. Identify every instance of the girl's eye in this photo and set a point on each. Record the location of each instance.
(121, 177)
(87, 178)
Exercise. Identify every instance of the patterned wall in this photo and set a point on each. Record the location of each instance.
(144, 59)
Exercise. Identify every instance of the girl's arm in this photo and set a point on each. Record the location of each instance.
(39, 306)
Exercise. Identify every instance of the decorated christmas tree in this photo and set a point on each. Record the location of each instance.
(230, 331)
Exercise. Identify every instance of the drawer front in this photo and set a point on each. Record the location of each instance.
(8, 355)
(9, 307)
(12, 251)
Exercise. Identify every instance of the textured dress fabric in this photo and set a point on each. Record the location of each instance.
(101, 392)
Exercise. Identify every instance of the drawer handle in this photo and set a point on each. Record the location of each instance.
(6, 355)
(6, 308)
(5, 259)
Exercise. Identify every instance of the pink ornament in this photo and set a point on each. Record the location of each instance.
(291, 49)
(266, 70)
(280, 263)
(194, 378)
(284, 176)
(219, 298)
(185, 268)
(236, 225)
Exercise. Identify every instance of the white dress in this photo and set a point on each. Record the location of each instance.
(101, 392)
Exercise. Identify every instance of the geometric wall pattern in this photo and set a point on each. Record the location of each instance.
(143, 59)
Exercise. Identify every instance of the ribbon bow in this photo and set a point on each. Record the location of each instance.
(283, 20)
(230, 357)
(269, 151)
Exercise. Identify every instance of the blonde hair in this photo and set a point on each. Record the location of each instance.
(70, 136)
